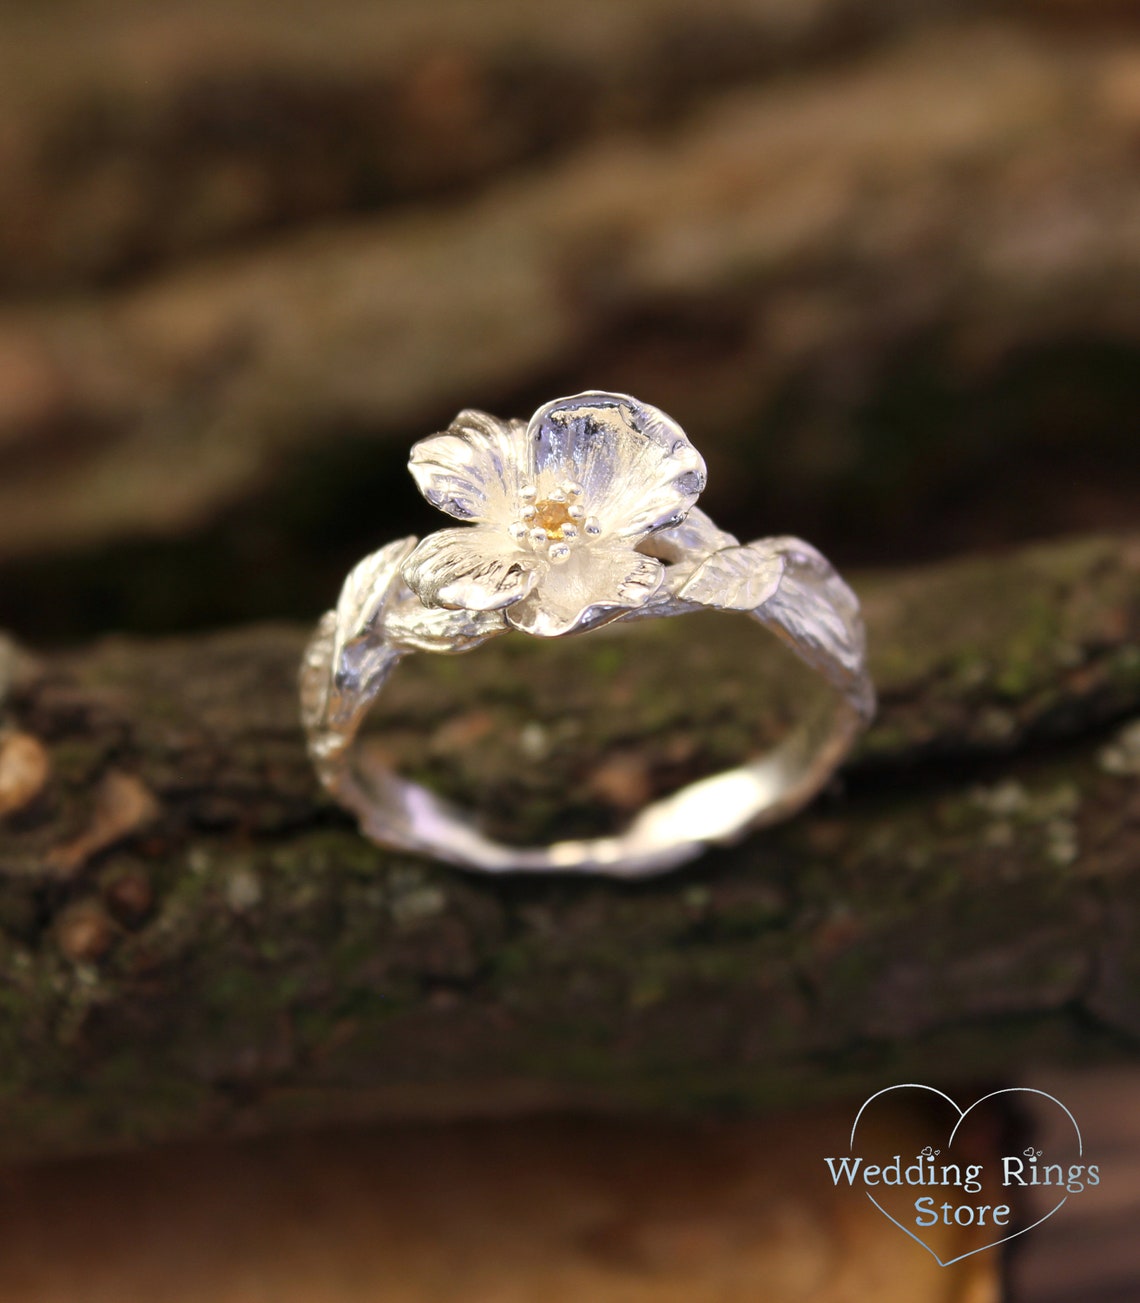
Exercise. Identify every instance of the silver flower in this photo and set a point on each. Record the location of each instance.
(560, 507)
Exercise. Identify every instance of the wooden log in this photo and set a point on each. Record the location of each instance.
(193, 940)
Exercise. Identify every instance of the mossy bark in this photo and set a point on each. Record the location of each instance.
(193, 939)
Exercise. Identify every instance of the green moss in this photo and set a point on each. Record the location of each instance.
(325, 853)
(1030, 652)
(76, 761)
(608, 659)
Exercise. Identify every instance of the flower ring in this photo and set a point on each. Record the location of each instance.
(582, 516)
(561, 506)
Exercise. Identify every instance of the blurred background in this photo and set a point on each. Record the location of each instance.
(881, 258)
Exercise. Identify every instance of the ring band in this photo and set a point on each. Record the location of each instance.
(581, 517)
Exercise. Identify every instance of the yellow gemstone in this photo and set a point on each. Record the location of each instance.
(551, 516)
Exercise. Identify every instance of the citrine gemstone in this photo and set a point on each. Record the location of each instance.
(552, 516)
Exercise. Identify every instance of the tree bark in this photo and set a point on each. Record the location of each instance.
(194, 940)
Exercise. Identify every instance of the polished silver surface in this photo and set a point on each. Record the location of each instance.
(584, 516)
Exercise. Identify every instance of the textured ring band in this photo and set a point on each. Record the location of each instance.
(579, 518)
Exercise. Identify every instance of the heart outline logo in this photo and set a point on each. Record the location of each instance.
(963, 1113)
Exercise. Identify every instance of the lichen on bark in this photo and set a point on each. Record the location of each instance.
(961, 900)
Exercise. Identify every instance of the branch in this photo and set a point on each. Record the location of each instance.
(194, 940)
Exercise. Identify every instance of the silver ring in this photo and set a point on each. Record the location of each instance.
(582, 516)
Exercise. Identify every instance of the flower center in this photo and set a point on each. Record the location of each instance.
(554, 524)
(552, 516)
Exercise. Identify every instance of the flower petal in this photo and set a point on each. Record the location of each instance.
(475, 569)
(473, 470)
(639, 471)
(595, 585)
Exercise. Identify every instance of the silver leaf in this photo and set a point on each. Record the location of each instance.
(737, 578)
